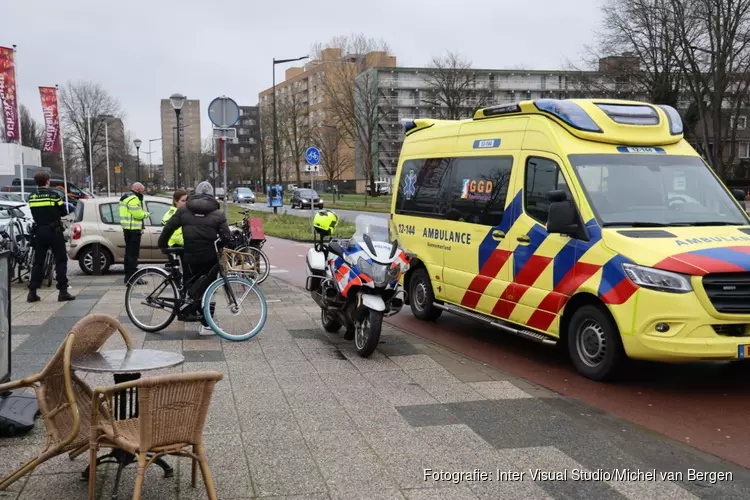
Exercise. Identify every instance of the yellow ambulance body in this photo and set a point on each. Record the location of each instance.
(591, 224)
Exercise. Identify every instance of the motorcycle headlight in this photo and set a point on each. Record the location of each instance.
(656, 279)
(378, 272)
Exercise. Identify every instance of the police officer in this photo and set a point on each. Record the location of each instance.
(131, 221)
(47, 208)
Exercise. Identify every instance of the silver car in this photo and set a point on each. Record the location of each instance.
(97, 220)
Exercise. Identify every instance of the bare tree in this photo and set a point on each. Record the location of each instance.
(353, 96)
(335, 159)
(293, 127)
(32, 133)
(81, 100)
(634, 54)
(452, 83)
(713, 52)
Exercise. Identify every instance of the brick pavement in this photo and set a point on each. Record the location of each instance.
(300, 416)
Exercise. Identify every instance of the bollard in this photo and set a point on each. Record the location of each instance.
(97, 265)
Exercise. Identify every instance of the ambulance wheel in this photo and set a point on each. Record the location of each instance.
(594, 343)
(422, 299)
(330, 324)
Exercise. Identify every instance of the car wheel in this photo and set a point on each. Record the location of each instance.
(422, 298)
(594, 343)
(86, 260)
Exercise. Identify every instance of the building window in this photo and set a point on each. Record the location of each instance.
(743, 149)
(542, 176)
(741, 122)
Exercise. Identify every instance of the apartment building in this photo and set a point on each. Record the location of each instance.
(190, 140)
(247, 148)
(301, 99)
(407, 93)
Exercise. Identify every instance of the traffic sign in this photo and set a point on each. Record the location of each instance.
(212, 169)
(117, 169)
(223, 112)
(312, 168)
(312, 155)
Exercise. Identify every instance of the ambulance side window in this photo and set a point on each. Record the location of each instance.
(541, 177)
(479, 189)
(422, 188)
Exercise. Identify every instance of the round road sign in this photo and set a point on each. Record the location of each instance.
(223, 112)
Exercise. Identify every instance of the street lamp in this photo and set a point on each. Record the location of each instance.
(275, 134)
(137, 143)
(150, 166)
(177, 100)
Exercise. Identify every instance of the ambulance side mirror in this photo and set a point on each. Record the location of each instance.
(563, 217)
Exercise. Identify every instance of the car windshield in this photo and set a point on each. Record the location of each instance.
(243, 190)
(655, 190)
(308, 193)
(219, 190)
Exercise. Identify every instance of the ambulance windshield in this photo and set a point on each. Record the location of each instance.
(655, 190)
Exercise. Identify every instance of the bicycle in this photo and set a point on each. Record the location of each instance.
(169, 280)
(247, 244)
(22, 247)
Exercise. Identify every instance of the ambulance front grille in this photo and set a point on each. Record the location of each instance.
(729, 292)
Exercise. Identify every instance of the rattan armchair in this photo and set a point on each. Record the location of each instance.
(172, 412)
(64, 399)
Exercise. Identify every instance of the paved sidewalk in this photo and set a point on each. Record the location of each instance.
(299, 415)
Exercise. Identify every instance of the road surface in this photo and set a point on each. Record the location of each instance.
(706, 406)
(345, 215)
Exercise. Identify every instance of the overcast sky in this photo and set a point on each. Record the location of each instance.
(144, 50)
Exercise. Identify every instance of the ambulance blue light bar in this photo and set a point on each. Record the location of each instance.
(675, 120)
(502, 110)
(628, 114)
(569, 112)
(409, 124)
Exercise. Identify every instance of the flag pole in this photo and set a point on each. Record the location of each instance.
(20, 131)
(106, 141)
(62, 148)
(91, 155)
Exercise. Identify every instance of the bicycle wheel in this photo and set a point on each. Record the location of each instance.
(48, 267)
(151, 306)
(231, 321)
(262, 264)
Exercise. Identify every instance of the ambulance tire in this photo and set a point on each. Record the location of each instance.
(594, 343)
(422, 299)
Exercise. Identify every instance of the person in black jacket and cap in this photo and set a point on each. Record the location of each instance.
(202, 222)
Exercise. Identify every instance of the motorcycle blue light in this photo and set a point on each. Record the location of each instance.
(569, 112)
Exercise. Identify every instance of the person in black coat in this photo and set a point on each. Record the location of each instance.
(202, 222)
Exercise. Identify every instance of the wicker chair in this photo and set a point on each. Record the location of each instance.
(172, 412)
(64, 399)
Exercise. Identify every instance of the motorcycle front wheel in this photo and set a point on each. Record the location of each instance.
(367, 333)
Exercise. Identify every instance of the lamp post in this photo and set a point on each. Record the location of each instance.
(275, 134)
(150, 166)
(178, 100)
(137, 143)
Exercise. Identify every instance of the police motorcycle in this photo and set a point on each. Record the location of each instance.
(356, 281)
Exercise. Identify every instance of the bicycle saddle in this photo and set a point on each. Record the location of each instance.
(174, 250)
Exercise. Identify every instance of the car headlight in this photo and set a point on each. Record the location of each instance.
(378, 272)
(656, 279)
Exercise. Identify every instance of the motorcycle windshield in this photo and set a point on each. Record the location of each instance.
(374, 227)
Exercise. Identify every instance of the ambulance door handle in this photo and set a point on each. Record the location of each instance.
(524, 239)
(498, 235)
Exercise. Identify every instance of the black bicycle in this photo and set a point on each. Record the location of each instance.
(155, 296)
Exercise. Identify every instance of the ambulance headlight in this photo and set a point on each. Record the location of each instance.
(656, 279)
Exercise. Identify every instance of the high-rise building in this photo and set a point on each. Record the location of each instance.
(302, 102)
(118, 150)
(190, 141)
(245, 154)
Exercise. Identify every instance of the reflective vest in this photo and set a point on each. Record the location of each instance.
(131, 213)
(176, 238)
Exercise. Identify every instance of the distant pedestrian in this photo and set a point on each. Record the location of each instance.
(132, 216)
(47, 209)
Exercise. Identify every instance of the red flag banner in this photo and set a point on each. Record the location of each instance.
(51, 119)
(8, 93)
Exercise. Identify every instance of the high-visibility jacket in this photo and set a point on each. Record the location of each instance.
(46, 207)
(131, 212)
(176, 239)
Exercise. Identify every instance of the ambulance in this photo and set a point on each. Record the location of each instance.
(587, 224)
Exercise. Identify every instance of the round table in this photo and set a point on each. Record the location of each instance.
(126, 361)
(126, 365)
